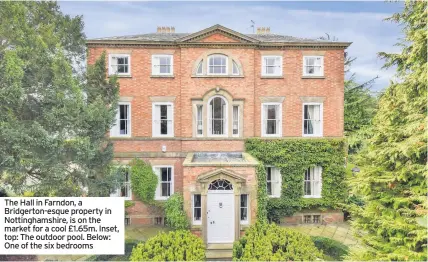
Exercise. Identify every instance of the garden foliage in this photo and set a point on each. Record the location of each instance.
(178, 245)
(331, 247)
(267, 242)
(174, 211)
(143, 181)
(393, 177)
(293, 157)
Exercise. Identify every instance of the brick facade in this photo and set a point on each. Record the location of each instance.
(249, 88)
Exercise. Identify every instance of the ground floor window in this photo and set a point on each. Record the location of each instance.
(244, 209)
(124, 189)
(312, 186)
(165, 186)
(197, 209)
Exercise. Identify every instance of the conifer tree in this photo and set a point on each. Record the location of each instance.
(393, 177)
(53, 115)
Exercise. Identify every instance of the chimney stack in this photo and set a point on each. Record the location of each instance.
(263, 30)
(165, 29)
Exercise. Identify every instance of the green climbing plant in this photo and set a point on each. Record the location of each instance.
(143, 180)
(293, 157)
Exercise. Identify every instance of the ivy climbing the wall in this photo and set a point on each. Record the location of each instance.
(293, 157)
(143, 181)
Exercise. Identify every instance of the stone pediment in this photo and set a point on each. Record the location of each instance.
(217, 34)
(222, 174)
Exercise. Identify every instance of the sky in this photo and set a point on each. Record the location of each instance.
(359, 22)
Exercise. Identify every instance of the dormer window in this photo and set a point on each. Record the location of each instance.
(217, 65)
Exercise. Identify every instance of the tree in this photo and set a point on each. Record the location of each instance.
(53, 117)
(393, 173)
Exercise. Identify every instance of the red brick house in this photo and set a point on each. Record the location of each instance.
(188, 102)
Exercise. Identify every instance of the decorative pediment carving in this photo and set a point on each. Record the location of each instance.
(221, 174)
(217, 33)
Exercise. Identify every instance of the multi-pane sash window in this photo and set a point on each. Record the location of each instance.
(312, 186)
(122, 126)
(163, 119)
(312, 119)
(244, 209)
(271, 119)
(119, 64)
(273, 181)
(162, 64)
(313, 65)
(235, 123)
(199, 121)
(165, 186)
(271, 66)
(217, 117)
(124, 190)
(217, 65)
(197, 209)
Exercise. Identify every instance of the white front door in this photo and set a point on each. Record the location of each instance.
(220, 216)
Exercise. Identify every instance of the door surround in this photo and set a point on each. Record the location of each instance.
(205, 180)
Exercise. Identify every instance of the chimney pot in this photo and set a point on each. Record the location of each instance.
(268, 30)
(159, 29)
(172, 29)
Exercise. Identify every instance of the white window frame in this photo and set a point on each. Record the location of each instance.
(115, 129)
(154, 125)
(117, 193)
(110, 68)
(158, 187)
(235, 120)
(320, 134)
(225, 120)
(277, 182)
(264, 65)
(212, 57)
(247, 221)
(201, 66)
(237, 67)
(312, 182)
(171, 65)
(196, 222)
(263, 125)
(305, 65)
(201, 121)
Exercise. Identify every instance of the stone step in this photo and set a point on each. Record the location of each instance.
(219, 254)
(220, 246)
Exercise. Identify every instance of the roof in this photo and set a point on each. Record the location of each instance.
(176, 38)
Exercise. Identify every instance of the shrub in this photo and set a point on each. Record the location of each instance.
(267, 242)
(175, 216)
(178, 245)
(331, 247)
(143, 180)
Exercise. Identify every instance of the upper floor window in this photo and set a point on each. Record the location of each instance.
(217, 65)
(122, 125)
(312, 119)
(124, 190)
(312, 186)
(165, 186)
(199, 121)
(272, 66)
(162, 64)
(235, 68)
(313, 65)
(119, 64)
(271, 119)
(217, 116)
(235, 122)
(273, 181)
(200, 69)
(163, 119)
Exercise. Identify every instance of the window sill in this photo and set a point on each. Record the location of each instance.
(197, 226)
(120, 137)
(272, 196)
(162, 76)
(313, 77)
(314, 136)
(311, 196)
(217, 76)
(121, 76)
(272, 77)
(244, 224)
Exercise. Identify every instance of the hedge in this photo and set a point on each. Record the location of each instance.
(267, 242)
(331, 247)
(178, 245)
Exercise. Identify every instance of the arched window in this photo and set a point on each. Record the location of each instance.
(235, 68)
(217, 65)
(199, 70)
(217, 116)
(220, 184)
